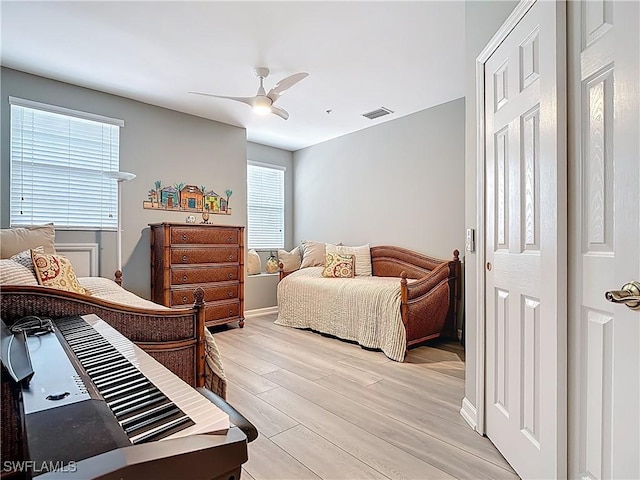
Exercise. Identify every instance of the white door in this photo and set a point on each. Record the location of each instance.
(604, 339)
(525, 244)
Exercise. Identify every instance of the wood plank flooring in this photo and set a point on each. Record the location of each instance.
(328, 409)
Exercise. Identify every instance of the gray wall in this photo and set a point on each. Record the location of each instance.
(482, 20)
(398, 183)
(155, 144)
(260, 290)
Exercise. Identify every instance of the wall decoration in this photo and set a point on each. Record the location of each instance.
(187, 198)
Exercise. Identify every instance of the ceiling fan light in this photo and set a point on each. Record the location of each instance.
(262, 109)
(262, 105)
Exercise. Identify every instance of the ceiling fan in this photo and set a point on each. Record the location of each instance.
(263, 102)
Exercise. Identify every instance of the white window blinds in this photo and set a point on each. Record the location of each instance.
(58, 157)
(265, 206)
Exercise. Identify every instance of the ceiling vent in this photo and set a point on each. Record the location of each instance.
(381, 112)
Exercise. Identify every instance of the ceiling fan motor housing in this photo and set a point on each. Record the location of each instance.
(261, 72)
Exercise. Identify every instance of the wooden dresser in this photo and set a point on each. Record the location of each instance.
(185, 256)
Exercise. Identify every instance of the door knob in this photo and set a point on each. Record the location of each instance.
(629, 295)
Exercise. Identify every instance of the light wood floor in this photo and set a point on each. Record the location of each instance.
(330, 409)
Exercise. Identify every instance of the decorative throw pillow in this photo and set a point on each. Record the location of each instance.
(12, 273)
(312, 254)
(16, 240)
(253, 263)
(338, 265)
(362, 254)
(290, 261)
(24, 258)
(56, 271)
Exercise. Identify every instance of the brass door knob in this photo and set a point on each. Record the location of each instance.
(629, 295)
(489, 266)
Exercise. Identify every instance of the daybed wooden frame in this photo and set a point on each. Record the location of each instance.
(173, 337)
(429, 305)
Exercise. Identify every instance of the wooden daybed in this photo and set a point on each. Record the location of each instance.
(174, 337)
(429, 291)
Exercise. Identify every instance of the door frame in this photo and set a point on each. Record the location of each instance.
(476, 416)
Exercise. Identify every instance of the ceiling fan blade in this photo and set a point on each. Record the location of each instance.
(247, 100)
(285, 84)
(281, 112)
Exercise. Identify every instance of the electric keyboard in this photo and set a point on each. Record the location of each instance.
(100, 403)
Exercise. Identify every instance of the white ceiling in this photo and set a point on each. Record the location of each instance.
(406, 56)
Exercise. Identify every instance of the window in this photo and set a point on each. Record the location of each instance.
(58, 157)
(265, 206)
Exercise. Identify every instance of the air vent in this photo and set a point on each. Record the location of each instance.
(381, 112)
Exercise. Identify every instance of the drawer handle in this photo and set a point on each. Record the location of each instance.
(184, 236)
(230, 313)
(231, 257)
(231, 275)
(230, 294)
(184, 278)
(184, 299)
(230, 239)
(184, 258)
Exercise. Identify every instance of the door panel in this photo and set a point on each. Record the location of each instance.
(525, 230)
(604, 338)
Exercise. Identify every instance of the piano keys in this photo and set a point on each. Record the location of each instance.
(98, 401)
(142, 410)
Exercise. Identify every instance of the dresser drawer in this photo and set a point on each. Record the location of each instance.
(186, 275)
(222, 311)
(204, 235)
(184, 296)
(203, 255)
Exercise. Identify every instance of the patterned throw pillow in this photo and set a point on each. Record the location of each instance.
(56, 271)
(338, 265)
(24, 258)
(363, 257)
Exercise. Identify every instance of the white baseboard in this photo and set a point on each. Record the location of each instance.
(469, 413)
(260, 311)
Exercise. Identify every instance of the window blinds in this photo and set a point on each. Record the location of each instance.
(58, 157)
(265, 206)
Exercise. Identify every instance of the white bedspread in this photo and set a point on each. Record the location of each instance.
(107, 289)
(361, 309)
